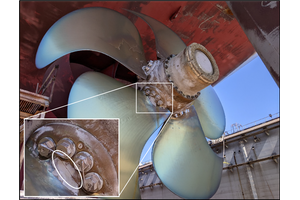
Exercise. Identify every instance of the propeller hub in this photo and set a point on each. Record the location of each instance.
(190, 71)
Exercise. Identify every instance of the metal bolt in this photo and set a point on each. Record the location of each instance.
(181, 113)
(198, 93)
(159, 103)
(147, 92)
(85, 159)
(168, 75)
(175, 87)
(150, 63)
(44, 146)
(153, 93)
(226, 146)
(92, 182)
(66, 145)
(245, 139)
(188, 96)
(157, 97)
(166, 66)
(147, 68)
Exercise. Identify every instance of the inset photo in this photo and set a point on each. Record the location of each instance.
(71, 157)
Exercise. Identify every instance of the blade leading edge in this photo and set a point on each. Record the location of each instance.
(210, 112)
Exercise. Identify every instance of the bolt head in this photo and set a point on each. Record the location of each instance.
(147, 92)
(92, 182)
(66, 145)
(159, 103)
(150, 63)
(153, 93)
(85, 158)
(157, 97)
(45, 143)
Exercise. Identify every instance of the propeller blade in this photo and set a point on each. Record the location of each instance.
(210, 112)
(135, 129)
(96, 29)
(183, 160)
(167, 42)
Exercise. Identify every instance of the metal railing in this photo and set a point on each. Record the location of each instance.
(237, 127)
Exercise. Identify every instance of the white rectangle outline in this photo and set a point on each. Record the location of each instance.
(136, 112)
(72, 197)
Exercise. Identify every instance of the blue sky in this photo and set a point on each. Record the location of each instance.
(247, 95)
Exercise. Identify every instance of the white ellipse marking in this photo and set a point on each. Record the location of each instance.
(59, 173)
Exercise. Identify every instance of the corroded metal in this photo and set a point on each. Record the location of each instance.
(183, 160)
(183, 76)
(93, 155)
(83, 29)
